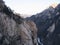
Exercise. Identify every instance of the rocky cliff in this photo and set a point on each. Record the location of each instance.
(14, 30)
(48, 24)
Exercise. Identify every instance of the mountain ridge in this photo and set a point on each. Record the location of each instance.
(15, 30)
(48, 19)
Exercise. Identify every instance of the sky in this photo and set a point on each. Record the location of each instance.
(29, 7)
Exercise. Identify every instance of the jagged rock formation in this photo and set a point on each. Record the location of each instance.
(48, 24)
(14, 30)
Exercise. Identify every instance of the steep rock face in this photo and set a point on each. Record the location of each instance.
(14, 30)
(48, 23)
(43, 20)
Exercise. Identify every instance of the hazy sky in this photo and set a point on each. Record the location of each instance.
(29, 7)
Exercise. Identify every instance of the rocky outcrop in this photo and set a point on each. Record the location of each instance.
(48, 24)
(14, 30)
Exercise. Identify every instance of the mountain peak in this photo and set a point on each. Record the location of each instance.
(54, 5)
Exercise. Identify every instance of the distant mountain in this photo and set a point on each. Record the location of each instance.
(48, 24)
